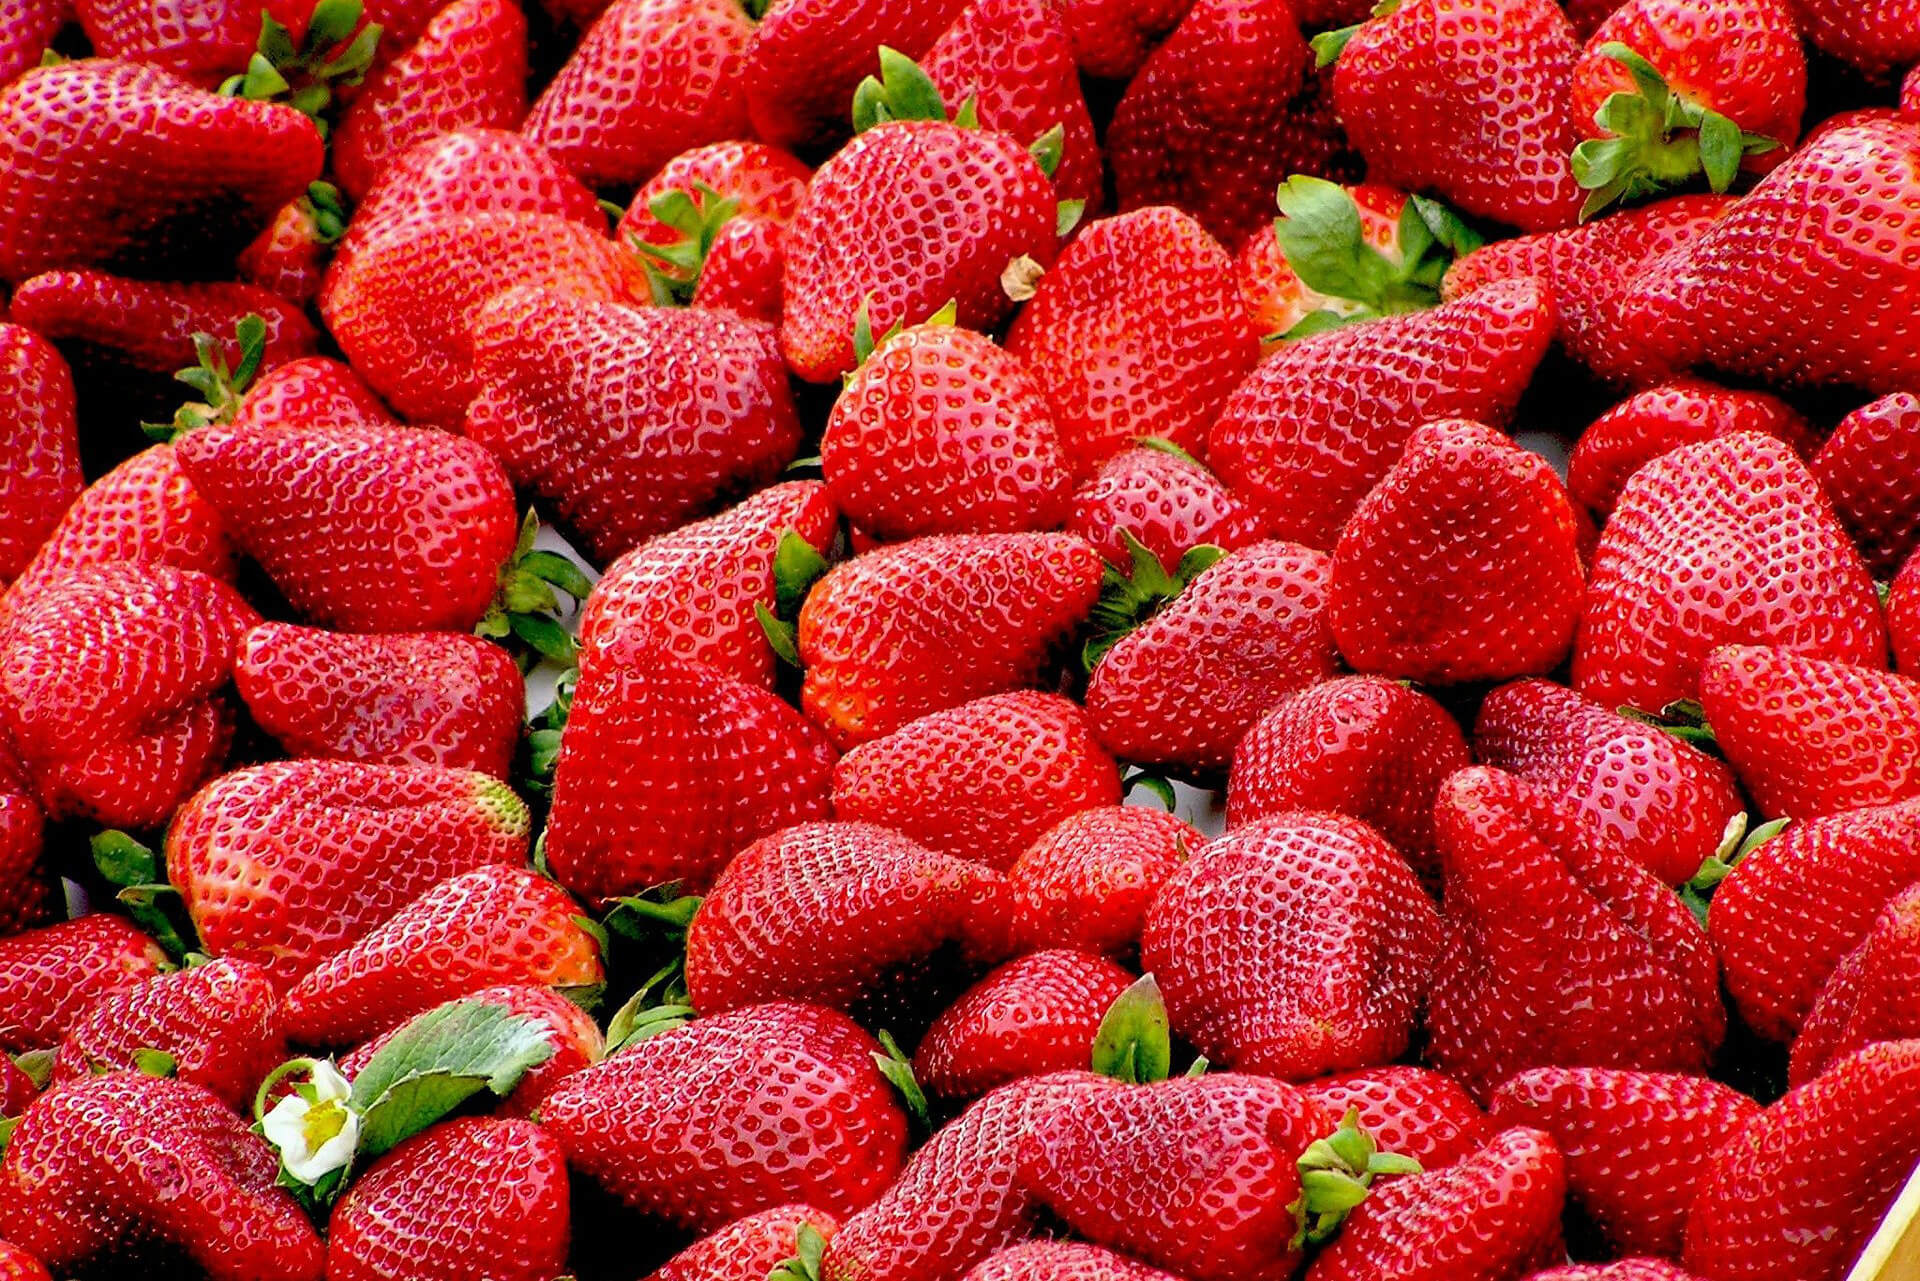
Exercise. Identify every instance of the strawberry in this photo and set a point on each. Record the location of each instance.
(426, 698)
(91, 157)
(1618, 1270)
(1034, 1015)
(365, 527)
(761, 180)
(1869, 996)
(140, 655)
(1462, 564)
(289, 258)
(1903, 615)
(1659, 420)
(214, 1021)
(1466, 98)
(26, 32)
(1809, 737)
(1522, 877)
(26, 883)
(903, 631)
(51, 976)
(980, 781)
(1359, 745)
(1293, 946)
(40, 477)
(1867, 468)
(1416, 1112)
(1803, 1185)
(1492, 1214)
(667, 768)
(129, 1167)
(1136, 332)
(940, 431)
(288, 863)
(1112, 38)
(197, 41)
(1319, 423)
(467, 69)
(1183, 687)
(628, 420)
(17, 1089)
(308, 390)
(468, 1189)
(1634, 1143)
(1062, 1261)
(1877, 37)
(1726, 541)
(1165, 501)
(834, 914)
(1086, 882)
(748, 1248)
(736, 1113)
(16, 1264)
(744, 271)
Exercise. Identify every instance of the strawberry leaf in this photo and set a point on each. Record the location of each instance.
(1134, 1044)
(438, 1061)
(898, 1069)
(38, 1065)
(902, 91)
(124, 861)
(796, 567)
(810, 1248)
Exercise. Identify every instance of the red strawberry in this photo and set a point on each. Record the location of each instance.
(114, 1169)
(1136, 332)
(1493, 1214)
(765, 181)
(1468, 99)
(1164, 501)
(628, 420)
(1619, 1270)
(1034, 1015)
(743, 274)
(903, 631)
(980, 781)
(1359, 745)
(428, 698)
(138, 654)
(736, 1113)
(1185, 685)
(1870, 995)
(199, 40)
(16, 1091)
(309, 390)
(40, 477)
(1634, 1143)
(1800, 1189)
(1462, 564)
(1112, 38)
(27, 31)
(1062, 1261)
(940, 431)
(1278, 299)
(1660, 420)
(1903, 615)
(667, 768)
(1413, 1111)
(1320, 422)
(50, 976)
(749, 1248)
(215, 1021)
(1292, 947)
(1726, 541)
(468, 69)
(288, 863)
(1523, 877)
(1877, 37)
(1867, 468)
(290, 256)
(469, 1189)
(92, 160)
(27, 886)
(1086, 882)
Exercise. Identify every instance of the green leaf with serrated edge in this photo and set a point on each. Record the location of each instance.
(898, 1069)
(1048, 148)
(1321, 236)
(124, 861)
(38, 1065)
(780, 635)
(1134, 1044)
(436, 1062)
(1720, 150)
(1067, 215)
(797, 566)
(155, 1062)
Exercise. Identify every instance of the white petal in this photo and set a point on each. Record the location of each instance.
(333, 1154)
(328, 1084)
(284, 1126)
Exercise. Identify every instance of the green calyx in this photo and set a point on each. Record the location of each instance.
(864, 342)
(138, 875)
(220, 387)
(902, 91)
(544, 732)
(647, 934)
(797, 566)
(1736, 842)
(1656, 139)
(1684, 718)
(1130, 599)
(809, 1249)
(1134, 1044)
(1329, 45)
(527, 609)
(898, 1069)
(326, 211)
(1336, 1173)
(696, 218)
(338, 50)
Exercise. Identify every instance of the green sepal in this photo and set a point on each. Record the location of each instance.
(902, 91)
(1048, 149)
(7, 1126)
(641, 1018)
(326, 209)
(1322, 235)
(809, 1249)
(527, 605)
(38, 1065)
(1736, 842)
(696, 219)
(154, 1062)
(221, 389)
(1683, 718)
(1336, 1173)
(1134, 1044)
(545, 732)
(782, 637)
(1129, 599)
(1161, 445)
(122, 861)
(139, 875)
(1329, 45)
(898, 1069)
(968, 114)
(337, 51)
(796, 567)
(1067, 215)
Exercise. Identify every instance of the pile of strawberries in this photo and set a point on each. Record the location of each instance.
(958, 640)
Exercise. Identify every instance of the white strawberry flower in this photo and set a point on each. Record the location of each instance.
(315, 1135)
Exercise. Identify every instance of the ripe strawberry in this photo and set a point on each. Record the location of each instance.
(1086, 882)
(1523, 876)
(1319, 423)
(903, 631)
(288, 863)
(1183, 687)
(198, 41)
(1112, 38)
(1292, 947)
(1903, 615)
(736, 1113)
(27, 886)
(124, 1167)
(1634, 1143)
(215, 1021)
(1867, 468)
(91, 157)
(980, 781)
(940, 431)
(289, 258)
(837, 914)
(667, 768)
(1062, 1261)
(1461, 565)
(1801, 1188)
(1726, 541)
(744, 271)
(629, 420)
(749, 1248)
(1618, 1270)
(365, 527)
(1660, 420)
(468, 69)
(141, 656)
(16, 1264)
(1166, 502)
(25, 35)
(1359, 745)
(1646, 794)
(1136, 332)
(1034, 1015)
(1495, 1213)
(470, 1189)
(309, 390)
(426, 698)
(762, 180)
(40, 460)
(49, 977)
(958, 1200)
(1870, 995)
(1876, 37)
(1418, 1113)
(1468, 99)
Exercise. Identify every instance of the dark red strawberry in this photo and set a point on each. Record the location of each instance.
(748, 1248)
(40, 477)
(199, 40)
(1062, 1261)
(1870, 995)
(1878, 37)
(744, 271)
(50, 976)
(1418, 1113)
(1867, 468)
(27, 886)
(1034, 1015)
(1112, 38)
(27, 32)
(16, 1091)
(1086, 882)
(289, 258)
(1903, 615)
(1166, 502)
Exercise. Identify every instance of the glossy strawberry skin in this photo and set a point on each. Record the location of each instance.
(1414, 1111)
(1875, 37)
(1869, 996)
(748, 1248)
(27, 886)
(1867, 468)
(1062, 1261)
(766, 181)
(1034, 1015)
(1619, 1270)
(1087, 881)
(50, 976)
(29, 28)
(41, 474)
(307, 390)
(744, 275)
(198, 41)
(1903, 615)
(1165, 503)
(289, 256)
(1112, 38)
